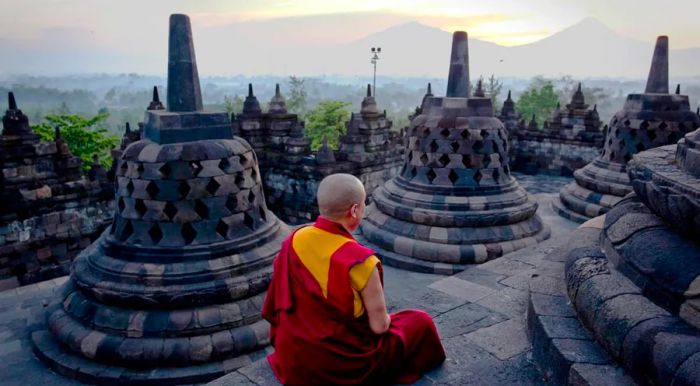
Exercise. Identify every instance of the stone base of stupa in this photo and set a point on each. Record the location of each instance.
(596, 188)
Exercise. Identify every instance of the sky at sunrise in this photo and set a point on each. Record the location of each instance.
(506, 22)
(129, 35)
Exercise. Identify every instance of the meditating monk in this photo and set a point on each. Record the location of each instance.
(326, 306)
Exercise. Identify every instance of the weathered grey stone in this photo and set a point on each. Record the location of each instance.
(171, 290)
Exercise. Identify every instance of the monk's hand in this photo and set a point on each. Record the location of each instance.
(375, 305)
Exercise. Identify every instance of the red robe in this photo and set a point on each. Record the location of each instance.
(319, 341)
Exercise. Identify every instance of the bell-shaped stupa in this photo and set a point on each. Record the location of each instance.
(454, 202)
(652, 119)
(172, 292)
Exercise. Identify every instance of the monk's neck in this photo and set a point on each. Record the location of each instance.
(327, 222)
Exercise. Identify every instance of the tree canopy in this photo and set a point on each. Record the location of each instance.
(540, 101)
(327, 120)
(85, 137)
(297, 100)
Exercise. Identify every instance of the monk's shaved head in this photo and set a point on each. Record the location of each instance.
(337, 193)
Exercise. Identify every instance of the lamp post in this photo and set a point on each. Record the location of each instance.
(374, 59)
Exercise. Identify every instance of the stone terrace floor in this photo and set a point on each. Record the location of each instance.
(480, 314)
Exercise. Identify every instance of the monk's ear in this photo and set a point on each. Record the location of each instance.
(353, 210)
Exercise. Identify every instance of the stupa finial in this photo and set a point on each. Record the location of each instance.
(657, 83)
(458, 78)
(184, 93)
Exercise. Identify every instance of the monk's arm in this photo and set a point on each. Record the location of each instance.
(375, 305)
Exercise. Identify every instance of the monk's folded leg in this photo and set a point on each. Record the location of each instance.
(422, 349)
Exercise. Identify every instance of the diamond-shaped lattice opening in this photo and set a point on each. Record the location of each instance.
(424, 159)
(453, 176)
(263, 215)
(455, 146)
(426, 132)
(445, 132)
(617, 133)
(651, 135)
(140, 207)
(478, 145)
(165, 170)
(673, 137)
(433, 146)
(222, 228)
(431, 175)
(612, 155)
(239, 180)
(188, 233)
(484, 133)
(139, 169)
(477, 176)
(195, 168)
(224, 164)
(663, 126)
(644, 125)
(184, 189)
(627, 123)
(465, 134)
(248, 221)
(121, 205)
(130, 187)
(244, 160)
(444, 160)
(231, 204)
(152, 189)
(213, 186)
(127, 231)
(496, 174)
(414, 172)
(201, 209)
(155, 233)
(170, 210)
(123, 167)
(467, 161)
(251, 196)
(410, 156)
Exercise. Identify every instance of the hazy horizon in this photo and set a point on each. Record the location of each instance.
(57, 37)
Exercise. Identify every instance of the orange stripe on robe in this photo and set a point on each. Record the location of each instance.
(320, 334)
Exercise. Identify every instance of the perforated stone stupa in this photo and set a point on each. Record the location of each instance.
(172, 292)
(454, 202)
(654, 118)
(49, 211)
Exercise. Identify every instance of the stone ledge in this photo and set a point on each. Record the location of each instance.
(654, 346)
(563, 349)
(69, 365)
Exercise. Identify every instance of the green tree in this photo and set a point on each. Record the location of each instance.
(540, 101)
(84, 136)
(297, 99)
(493, 87)
(327, 120)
